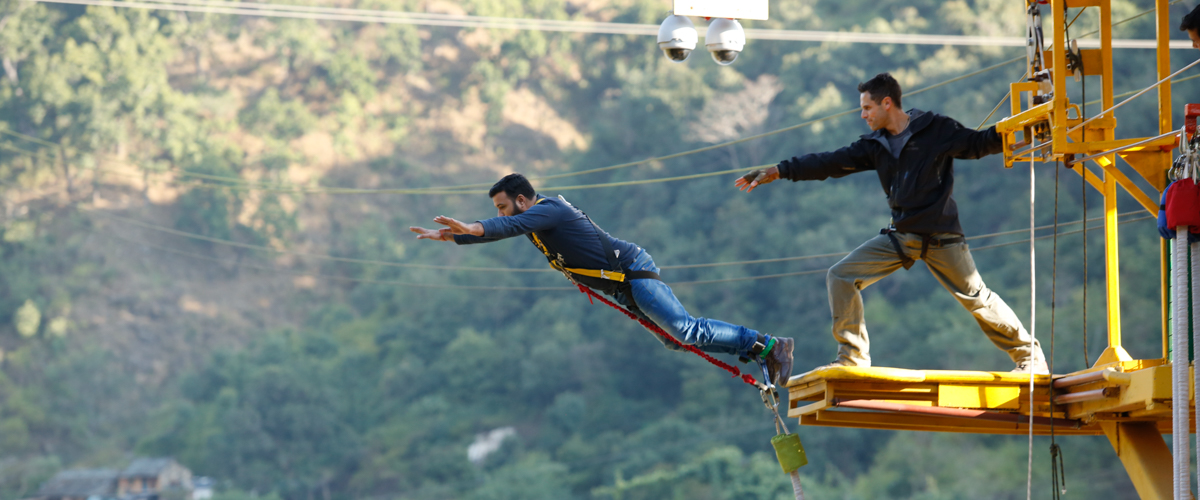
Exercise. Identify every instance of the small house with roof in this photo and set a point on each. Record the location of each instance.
(79, 484)
(148, 477)
(142, 479)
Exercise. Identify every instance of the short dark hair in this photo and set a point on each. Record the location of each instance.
(513, 184)
(1191, 21)
(882, 85)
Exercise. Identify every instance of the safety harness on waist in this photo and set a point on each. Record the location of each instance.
(600, 279)
(927, 241)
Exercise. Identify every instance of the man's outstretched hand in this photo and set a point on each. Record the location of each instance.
(447, 233)
(757, 178)
(459, 227)
(443, 234)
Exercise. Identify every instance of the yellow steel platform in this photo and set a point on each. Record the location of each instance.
(982, 402)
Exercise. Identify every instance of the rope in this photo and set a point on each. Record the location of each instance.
(1135, 96)
(520, 288)
(236, 244)
(1056, 465)
(1087, 362)
(219, 241)
(1195, 255)
(1131, 92)
(1032, 323)
(244, 185)
(1179, 384)
(463, 188)
(1068, 30)
(341, 278)
(746, 377)
(1001, 103)
(752, 137)
(1055, 451)
(795, 477)
(1058, 474)
(533, 24)
(446, 190)
(1064, 233)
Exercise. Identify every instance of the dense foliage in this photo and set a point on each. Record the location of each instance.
(371, 381)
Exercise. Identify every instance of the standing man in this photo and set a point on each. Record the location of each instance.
(587, 255)
(913, 153)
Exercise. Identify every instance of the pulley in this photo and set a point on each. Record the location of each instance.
(1075, 60)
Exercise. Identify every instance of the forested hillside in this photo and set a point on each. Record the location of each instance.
(175, 184)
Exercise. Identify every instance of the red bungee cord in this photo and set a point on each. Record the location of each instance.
(746, 377)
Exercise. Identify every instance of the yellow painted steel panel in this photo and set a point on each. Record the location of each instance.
(1092, 60)
(856, 373)
(930, 423)
(1145, 456)
(999, 378)
(1152, 165)
(1025, 118)
(979, 396)
(900, 375)
(1075, 4)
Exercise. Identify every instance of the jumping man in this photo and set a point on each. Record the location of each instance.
(913, 153)
(587, 255)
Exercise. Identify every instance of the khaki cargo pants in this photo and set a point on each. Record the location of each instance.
(953, 267)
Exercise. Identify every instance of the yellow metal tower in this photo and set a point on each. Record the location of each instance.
(1123, 398)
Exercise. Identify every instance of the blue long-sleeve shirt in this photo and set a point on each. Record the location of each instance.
(563, 229)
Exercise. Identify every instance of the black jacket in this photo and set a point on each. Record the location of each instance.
(918, 184)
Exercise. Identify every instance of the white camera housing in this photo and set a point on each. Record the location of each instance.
(725, 39)
(677, 37)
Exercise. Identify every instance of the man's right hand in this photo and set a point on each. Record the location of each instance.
(442, 234)
(757, 178)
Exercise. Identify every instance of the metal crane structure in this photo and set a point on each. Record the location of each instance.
(1128, 400)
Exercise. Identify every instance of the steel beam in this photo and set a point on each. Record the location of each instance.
(1145, 456)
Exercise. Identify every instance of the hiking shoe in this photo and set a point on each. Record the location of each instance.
(779, 361)
(1038, 365)
(835, 364)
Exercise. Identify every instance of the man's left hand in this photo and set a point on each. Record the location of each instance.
(432, 234)
(756, 178)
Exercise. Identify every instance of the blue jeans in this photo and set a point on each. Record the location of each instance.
(653, 300)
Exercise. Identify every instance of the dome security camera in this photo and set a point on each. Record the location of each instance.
(725, 39)
(677, 37)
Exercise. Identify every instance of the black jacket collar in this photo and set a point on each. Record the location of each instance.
(917, 120)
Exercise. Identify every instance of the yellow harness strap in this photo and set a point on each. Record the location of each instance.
(592, 273)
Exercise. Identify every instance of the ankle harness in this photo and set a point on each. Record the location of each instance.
(761, 348)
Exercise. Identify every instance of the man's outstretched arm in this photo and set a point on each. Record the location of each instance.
(537, 218)
(968, 144)
(455, 230)
(432, 234)
(813, 167)
(756, 178)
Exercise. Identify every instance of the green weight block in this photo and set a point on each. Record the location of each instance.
(789, 451)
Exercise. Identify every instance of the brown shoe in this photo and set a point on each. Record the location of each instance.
(779, 361)
(1038, 365)
(837, 363)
